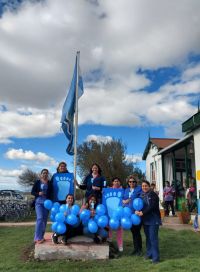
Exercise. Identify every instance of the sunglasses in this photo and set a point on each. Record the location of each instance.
(131, 181)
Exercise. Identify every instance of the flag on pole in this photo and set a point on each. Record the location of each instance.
(69, 107)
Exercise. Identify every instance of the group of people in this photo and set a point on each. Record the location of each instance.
(188, 196)
(61, 189)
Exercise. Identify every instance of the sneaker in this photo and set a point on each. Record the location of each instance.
(64, 240)
(120, 249)
(97, 239)
(54, 238)
(109, 240)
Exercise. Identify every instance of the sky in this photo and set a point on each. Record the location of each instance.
(140, 62)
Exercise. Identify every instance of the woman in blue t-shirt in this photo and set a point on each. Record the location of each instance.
(132, 192)
(62, 184)
(41, 192)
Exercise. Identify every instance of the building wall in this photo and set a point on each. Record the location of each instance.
(157, 162)
(197, 158)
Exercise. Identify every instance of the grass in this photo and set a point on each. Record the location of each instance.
(179, 252)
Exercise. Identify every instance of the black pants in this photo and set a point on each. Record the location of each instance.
(137, 238)
(167, 204)
(73, 231)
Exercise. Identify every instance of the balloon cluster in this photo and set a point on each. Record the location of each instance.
(96, 223)
(61, 215)
(123, 217)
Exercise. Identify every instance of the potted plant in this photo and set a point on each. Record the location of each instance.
(184, 214)
(162, 209)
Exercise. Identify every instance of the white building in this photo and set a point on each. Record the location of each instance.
(175, 159)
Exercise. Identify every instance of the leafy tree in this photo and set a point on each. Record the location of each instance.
(27, 178)
(110, 156)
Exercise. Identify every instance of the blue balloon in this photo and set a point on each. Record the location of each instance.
(56, 205)
(92, 226)
(55, 208)
(100, 209)
(138, 204)
(127, 212)
(85, 222)
(52, 218)
(114, 223)
(116, 215)
(61, 228)
(103, 233)
(60, 217)
(75, 209)
(96, 217)
(136, 219)
(119, 212)
(102, 221)
(85, 214)
(48, 204)
(63, 208)
(78, 223)
(54, 226)
(126, 223)
(71, 219)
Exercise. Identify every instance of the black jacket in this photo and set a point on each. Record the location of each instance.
(151, 211)
(36, 189)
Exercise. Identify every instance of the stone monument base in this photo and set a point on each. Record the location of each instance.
(77, 248)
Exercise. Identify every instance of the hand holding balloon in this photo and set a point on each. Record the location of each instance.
(138, 204)
(139, 213)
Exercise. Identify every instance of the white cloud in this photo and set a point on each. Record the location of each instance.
(20, 154)
(99, 138)
(8, 179)
(191, 72)
(37, 51)
(136, 158)
(10, 173)
(40, 123)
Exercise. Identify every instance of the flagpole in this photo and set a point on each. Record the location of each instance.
(76, 120)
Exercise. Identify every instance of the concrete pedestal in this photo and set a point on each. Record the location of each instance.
(78, 248)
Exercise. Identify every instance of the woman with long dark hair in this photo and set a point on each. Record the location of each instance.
(93, 183)
(151, 220)
(41, 192)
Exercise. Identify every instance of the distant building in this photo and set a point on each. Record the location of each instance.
(175, 160)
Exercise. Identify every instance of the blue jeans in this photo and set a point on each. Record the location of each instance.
(41, 218)
(152, 245)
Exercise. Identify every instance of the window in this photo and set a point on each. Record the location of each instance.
(152, 172)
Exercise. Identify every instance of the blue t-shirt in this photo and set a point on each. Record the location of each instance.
(63, 184)
(132, 194)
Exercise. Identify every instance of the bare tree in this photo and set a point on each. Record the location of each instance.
(27, 178)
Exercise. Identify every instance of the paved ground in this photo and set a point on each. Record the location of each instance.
(177, 226)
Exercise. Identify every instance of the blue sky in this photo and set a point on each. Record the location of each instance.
(141, 70)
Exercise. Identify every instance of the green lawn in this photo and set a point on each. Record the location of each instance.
(180, 251)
